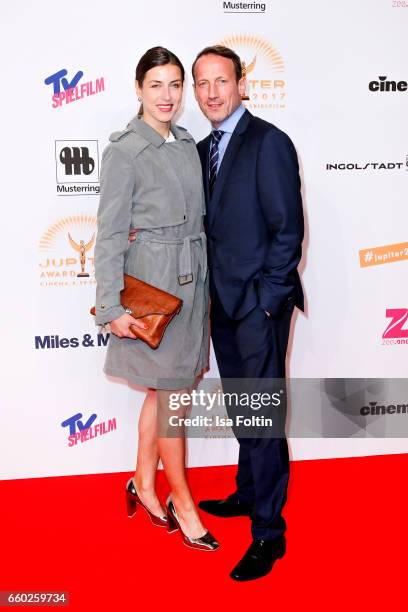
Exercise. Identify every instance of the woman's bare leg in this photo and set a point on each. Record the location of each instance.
(172, 452)
(148, 456)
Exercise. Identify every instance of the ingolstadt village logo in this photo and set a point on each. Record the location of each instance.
(66, 250)
(264, 67)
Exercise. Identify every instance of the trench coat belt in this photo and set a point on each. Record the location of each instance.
(185, 273)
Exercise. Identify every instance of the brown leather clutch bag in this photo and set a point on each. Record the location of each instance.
(156, 308)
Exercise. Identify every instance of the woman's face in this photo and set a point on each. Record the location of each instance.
(161, 93)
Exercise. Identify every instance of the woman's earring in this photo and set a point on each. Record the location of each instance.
(140, 99)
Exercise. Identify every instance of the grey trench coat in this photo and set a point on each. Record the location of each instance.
(155, 187)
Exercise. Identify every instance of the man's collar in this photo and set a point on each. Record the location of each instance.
(230, 123)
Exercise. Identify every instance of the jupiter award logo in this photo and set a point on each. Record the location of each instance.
(66, 252)
(264, 69)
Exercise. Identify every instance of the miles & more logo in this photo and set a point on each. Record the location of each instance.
(65, 91)
(80, 432)
(66, 250)
(264, 68)
(77, 167)
(55, 341)
(397, 329)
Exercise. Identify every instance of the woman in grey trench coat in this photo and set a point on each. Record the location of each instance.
(151, 186)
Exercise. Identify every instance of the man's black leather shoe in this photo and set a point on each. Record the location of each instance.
(259, 559)
(231, 506)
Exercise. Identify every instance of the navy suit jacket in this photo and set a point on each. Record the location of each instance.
(254, 220)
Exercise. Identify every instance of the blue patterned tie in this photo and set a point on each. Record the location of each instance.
(216, 136)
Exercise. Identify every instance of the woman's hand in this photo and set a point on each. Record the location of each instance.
(121, 326)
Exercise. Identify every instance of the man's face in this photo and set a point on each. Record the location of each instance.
(215, 87)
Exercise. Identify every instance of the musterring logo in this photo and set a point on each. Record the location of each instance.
(244, 7)
(77, 167)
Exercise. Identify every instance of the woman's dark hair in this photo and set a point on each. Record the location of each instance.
(156, 56)
(222, 52)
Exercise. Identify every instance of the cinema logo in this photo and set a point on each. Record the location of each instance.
(77, 167)
(385, 86)
(397, 330)
(80, 432)
(375, 409)
(264, 68)
(66, 250)
(375, 256)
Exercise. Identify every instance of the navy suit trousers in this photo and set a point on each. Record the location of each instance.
(255, 347)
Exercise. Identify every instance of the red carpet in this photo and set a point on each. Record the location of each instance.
(347, 541)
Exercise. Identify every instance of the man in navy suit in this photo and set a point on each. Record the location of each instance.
(254, 228)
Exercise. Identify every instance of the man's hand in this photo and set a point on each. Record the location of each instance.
(121, 326)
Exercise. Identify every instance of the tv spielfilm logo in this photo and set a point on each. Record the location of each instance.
(77, 167)
(264, 67)
(66, 250)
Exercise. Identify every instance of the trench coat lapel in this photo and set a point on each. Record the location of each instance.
(203, 152)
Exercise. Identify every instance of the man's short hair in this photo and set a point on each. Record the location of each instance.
(222, 52)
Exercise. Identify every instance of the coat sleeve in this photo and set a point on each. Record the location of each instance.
(278, 185)
(114, 219)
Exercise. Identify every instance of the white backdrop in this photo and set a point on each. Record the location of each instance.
(313, 63)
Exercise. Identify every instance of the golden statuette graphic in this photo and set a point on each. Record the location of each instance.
(245, 71)
(81, 248)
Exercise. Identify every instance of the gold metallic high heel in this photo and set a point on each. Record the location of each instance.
(206, 542)
(132, 499)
